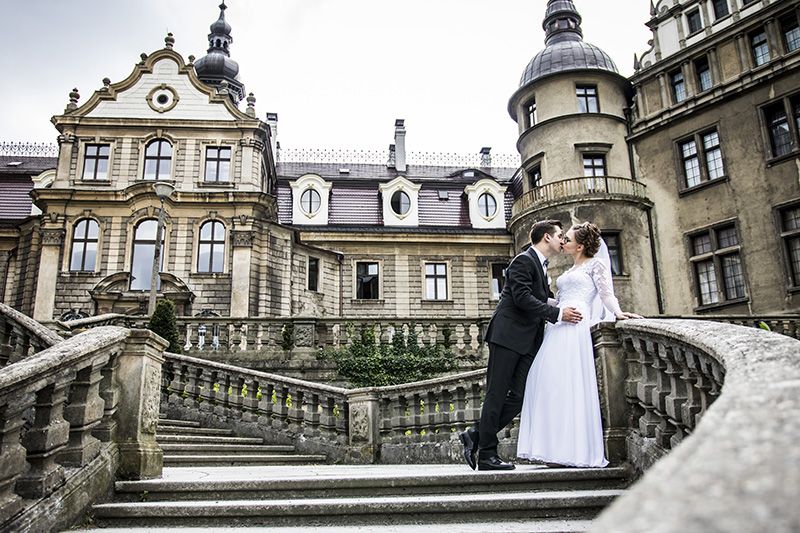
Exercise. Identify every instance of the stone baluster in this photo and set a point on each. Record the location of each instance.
(279, 409)
(222, 381)
(458, 417)
(327, 421)
(250, 400)
(474, 399)
(677, 396)
(231, 338)
(612, 370)
(106, 431)
(206, 394)
(48, 435)
(235, 399)
(400, 420)
(20, 344)
(692, 406)
(84, 411)
(6, 348)
(311, 415)
(12, 453)
(294, 412)
(193, 384)
(460, 343)
(419, 331)
(187, 347)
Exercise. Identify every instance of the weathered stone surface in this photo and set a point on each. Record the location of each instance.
(740, 469)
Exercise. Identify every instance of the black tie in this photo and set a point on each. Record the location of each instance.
(546, 262)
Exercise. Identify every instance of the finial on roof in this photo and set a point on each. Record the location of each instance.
(562, 22)
(169, 41)
(251, 105)
(73, 100)
(191, 59)
(652, 9)
(106, 83)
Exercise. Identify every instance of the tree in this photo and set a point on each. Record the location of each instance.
(164, 323)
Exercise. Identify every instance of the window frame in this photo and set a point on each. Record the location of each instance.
(534, 174)
(314, 287)
(786, 236)
(402, 194)
(608, 236)
(96, 158)
(716, 255)
(84, 240)
(674, 84)
(586, 99)
(789, 104)
(212, 244)
(159, 159)
(755, 56)
(435, 277)
(697, 63)
(531, 113)
(714, 5)
(379, 289)
(218, 160)
(701, 154)
(689, 17)
(310, 191)
(502, 279)
(488, 196)
(134, 242)
(792, 17)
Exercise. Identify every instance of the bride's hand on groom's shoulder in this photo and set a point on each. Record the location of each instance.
(625, 316)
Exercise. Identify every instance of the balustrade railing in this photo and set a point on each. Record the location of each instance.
(21, 336)
(579, 188)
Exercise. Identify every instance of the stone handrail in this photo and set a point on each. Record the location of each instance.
(788, 325)
(108, 319)
(21, 336)
(730, 395)
(603, 186)
(91, 406)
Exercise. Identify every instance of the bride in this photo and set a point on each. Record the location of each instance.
(560, 420)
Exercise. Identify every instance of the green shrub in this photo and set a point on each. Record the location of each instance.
(163, 323)
(366, 364)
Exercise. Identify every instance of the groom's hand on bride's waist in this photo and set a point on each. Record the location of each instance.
(570, 314)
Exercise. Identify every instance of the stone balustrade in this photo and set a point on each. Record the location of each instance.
(725, 400)
(21, 336)
(585, 187)
(72, 417)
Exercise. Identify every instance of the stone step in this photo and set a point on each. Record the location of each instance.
(189, 449)
(181, 430)
(319, 481)
(183, 423)
(236, 459)
(478, 526)
(206, 439)
(405, 509)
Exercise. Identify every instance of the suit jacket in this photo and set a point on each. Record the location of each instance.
(518, 320)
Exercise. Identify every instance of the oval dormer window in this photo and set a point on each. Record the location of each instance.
(401, 203)
(487, 205)
(309, 201)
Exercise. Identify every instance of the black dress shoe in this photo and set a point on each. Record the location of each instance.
(494, 463)
(469, 439)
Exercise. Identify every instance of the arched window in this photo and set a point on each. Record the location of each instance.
(210, 257)
(487, 205)
(158, 160)
(401, 203)
(144, 249)
(309, 201)
(84, 246)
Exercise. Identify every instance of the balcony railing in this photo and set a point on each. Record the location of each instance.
(598, 186)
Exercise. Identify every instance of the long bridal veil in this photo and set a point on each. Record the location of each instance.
(599, 312)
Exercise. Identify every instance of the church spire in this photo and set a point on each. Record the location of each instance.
(216, 67)
(562, 22)
(220, 39)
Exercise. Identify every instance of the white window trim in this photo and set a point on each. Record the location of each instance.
(474, 192)
(390, 218)
(299, 186)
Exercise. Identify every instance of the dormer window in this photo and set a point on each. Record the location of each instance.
(310, 201)
(485, 199)
(487, 205)
(158, 160)
(401, 203)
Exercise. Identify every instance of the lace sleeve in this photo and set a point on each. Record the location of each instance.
(602, 281)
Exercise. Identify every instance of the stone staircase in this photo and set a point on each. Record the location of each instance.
(213, 478)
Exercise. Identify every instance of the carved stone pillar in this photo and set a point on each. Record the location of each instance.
(84, 411)
(364, 434)
(52, 241)
(240, 272)
(612, 372)
(139, 382)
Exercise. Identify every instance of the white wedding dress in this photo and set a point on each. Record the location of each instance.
(560, 420)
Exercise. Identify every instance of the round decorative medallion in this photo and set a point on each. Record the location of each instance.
(162, 98)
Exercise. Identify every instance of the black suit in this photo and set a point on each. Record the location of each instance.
(514, 335)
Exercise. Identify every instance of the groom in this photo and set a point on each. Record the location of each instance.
(514, 335)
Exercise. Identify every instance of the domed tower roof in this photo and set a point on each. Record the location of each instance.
(217, 66)
(565, 48)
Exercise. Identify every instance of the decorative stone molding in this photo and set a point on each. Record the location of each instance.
(390, 216)
(52, 237)
(241, 238)
(480, 214)
(162, 98)
(301, 213)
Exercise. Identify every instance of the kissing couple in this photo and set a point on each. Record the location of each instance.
(547, 374)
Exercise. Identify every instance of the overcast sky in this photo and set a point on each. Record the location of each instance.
(337, 72)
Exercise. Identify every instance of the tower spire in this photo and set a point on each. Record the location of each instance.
(562, 22)
(216, 67)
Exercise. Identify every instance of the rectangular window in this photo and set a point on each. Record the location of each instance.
(436, 281)
(535, 177)
(367, 285)
(95, 162)
(594, 165)
(704, 81)
(701, 158)
(717, 261)
(218, 164)
(759, 47)
(313, 273)
(778, 126)
(791, 33)
(530, 108)
(498, 279)
(678, 85)
(694, 21)
(587, 99)
(721, 8)
(614, 251)
(790, 234)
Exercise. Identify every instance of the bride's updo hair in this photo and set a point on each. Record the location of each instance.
(588, 235)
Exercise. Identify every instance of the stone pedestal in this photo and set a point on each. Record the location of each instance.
(364, 435)
(612, 371)
(52, 241)
(240, 273)
(139, 381)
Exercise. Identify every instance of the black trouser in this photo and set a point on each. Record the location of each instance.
(505, 386)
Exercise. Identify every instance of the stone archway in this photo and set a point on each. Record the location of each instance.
(113, 295)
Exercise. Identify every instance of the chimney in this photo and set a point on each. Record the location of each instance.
(272, 122)
(400, 145)
(391, 162)
(486, 156)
